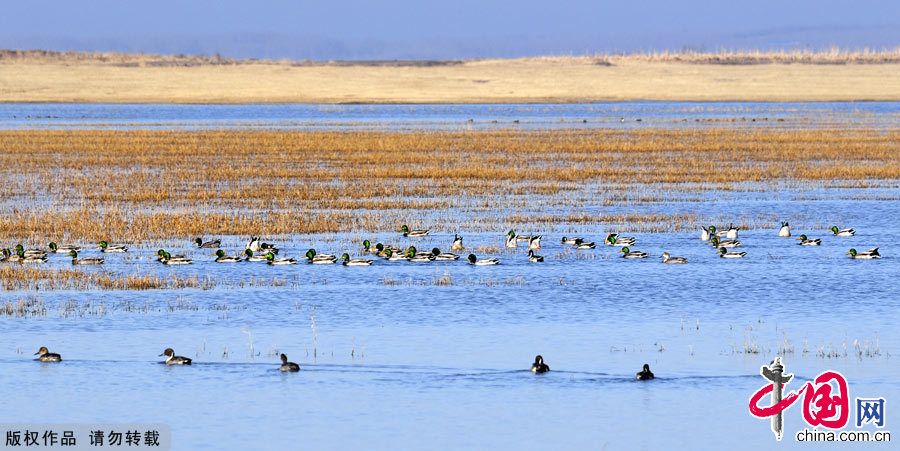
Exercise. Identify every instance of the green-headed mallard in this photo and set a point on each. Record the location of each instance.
(534, 258)
(347, 261)
(804, 241)
(443, 256)
(64, 249)
(213, 244)
(222, 258)
(415, 233)
(251, 257)
(270, 258)
(867, 255)
(725, 253)
(842, 232)
(645, 374)
(669, 260)
(457, 243)
(319, 259)
(369, 248)
(112, 248)
(30, 252)
(413, 256)
(570, 240)
(613, 239)
(169, 259)
(717, 243)
(628, 253)
(473, 260)
(582, 244)
(785, 230)
(84, 261)
(22, 258)
(392, 256)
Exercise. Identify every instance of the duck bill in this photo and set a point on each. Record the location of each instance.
(37, 353)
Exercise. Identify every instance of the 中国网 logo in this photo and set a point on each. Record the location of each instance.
(826, 404)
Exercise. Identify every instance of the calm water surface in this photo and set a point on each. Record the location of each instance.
(436, 355)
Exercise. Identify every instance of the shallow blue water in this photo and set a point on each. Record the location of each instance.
(395, 356)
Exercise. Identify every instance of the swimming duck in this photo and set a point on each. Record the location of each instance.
(842, 232)
(65, 249)
(319, 259)
(534, 258)
(392, 256)
(473, 260)
(208, 244)
(84, 261)
(804, 241)
(581, 244)
(524, 237)
(570, 240)
(727, 243)
(369, 248)
(270, 257)
(288, 367)
(347, 261)
(44, 355)
(645, 374)
(539, 366)
(416, 233)
(667, 259)
(172, 359)
(251, 257)
(534, 242)
(443, 256)
(112, 248)
(867, 255)
(704, 234)
(613, 239)
(161, 255)
(413, 256)
(785, 230)
(714, 231)
(628, 253)
(22, 258)
(222, 258)
(169, 259)
(725, 253)
(30, 252)
(457, 243)
(511, 241)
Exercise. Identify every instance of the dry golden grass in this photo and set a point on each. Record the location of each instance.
(775, 76)
(136, 186)
(17, 277)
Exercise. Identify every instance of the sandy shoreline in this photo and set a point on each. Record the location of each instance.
(529, 80)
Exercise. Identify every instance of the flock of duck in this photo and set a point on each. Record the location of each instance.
(723, 241)
(538, 367)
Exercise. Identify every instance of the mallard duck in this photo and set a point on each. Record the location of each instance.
(581, 244)
(392, 256)
(645, 374)
(64, 249)
(169, 259)
(270, 257)
(413, 233)
(30, 252)
(714, 231)
(208, 244)
(253, 244)
(725, 253)
(534, 258)
(534, 242)
(172, 359)
(716, 242)
(251, 257)
(539, 366)
(628, 253)
(288, 367)
(669, 260)
(413, 256)
(319, 259)
(222, 258)
(84, 261)
(443, 256)
(613, 239)
(112, 248)
(369, 248)
(732, 232)
(21, 257)
(9, 256)
(570, 240)
(44, 355)
(473, 260)
(162, 255)
(511, 241)
(524, 237)
(785, 230)
(842, 232)
(704, 234)
(457, 243)
(347, 261)
(867, 255)
(804, 241)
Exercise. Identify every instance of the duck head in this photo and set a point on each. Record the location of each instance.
(284, 356)
(310, 254)
(220, 253)
(404, 228)
(345, 257)
(103, 244)
(646, 368)
(52, 246)
(73, 254)
(472, 258)
(411, 251)
(852, 252)
(538, 360)
(169, 352)
(366, 244)
(42, 351)
(435, 252)
(625, 250)
(835, 229)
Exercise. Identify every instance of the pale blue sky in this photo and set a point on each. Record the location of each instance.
(357, 29)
